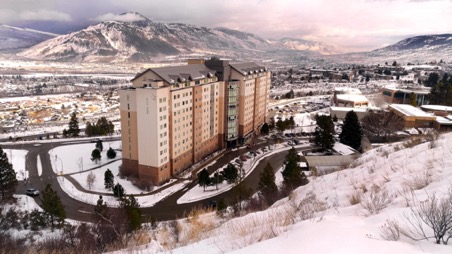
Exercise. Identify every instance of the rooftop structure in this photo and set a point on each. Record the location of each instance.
(413, 117)
(349, 97)
(401, 95)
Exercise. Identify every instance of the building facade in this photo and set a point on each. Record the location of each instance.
(173, 117)
(394, 94)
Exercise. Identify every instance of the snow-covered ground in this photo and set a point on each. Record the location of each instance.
(98, 184)
(198, 193)
(76, 158)
(17, 158)
(144, 201)
(329, 214)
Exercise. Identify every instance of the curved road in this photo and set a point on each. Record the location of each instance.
(163, 210)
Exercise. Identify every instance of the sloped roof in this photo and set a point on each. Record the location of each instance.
(173, 74)
(247, 68)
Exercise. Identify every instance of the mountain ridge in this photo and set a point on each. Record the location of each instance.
(135, 38)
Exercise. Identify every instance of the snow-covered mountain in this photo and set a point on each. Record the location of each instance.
(420, 48)
(423, 42)
(138, 39)
(312, 46)
(13, 38)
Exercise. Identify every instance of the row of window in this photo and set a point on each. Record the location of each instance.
(177, 96)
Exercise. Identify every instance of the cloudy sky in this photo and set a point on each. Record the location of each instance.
(355, 25)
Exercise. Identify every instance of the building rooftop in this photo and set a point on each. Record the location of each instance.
(416, 90)
(248, 68)
(347, 90)
(444, 120)
(183, 73)
(409, 110)
(347, 109)
(437, 108)
(352, 97)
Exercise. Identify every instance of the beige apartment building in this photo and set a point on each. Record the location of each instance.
(173, 117)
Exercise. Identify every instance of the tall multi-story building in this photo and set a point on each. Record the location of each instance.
(173, 117)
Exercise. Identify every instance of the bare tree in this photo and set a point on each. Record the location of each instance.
(434, 213)
(381, 125)
(90, 179)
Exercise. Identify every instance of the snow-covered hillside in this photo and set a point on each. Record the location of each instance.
(348, 211)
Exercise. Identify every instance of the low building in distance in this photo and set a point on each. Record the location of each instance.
(402, 95)
(346, 99)
(173, 117)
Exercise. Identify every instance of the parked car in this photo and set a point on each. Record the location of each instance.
(32, 192)
(95, 140)
(211, 204)
(243, 158)
(296, 142)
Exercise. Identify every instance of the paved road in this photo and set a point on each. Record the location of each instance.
(164, 210)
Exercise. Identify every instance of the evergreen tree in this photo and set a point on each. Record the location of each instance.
(65, 133)
(292, 174)
(89, 129)
(203, 178)
(323, 135)
(51, 203)
(95, 155)
(73, 129)
(267, 185)
(265, 129)
(111, 153)
(8, 180)
(413, 99)
(132, 209)
(351, 131)
(335, 119)
(101, 211)
(108, 179)
(230, 173)
(281, 125)
(433, 79)
(291, 122)
(118, 191)
(99, 145)
(104, 126)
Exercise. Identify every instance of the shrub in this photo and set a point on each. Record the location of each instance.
(376, 200)
(355, 198)
(111, 154)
